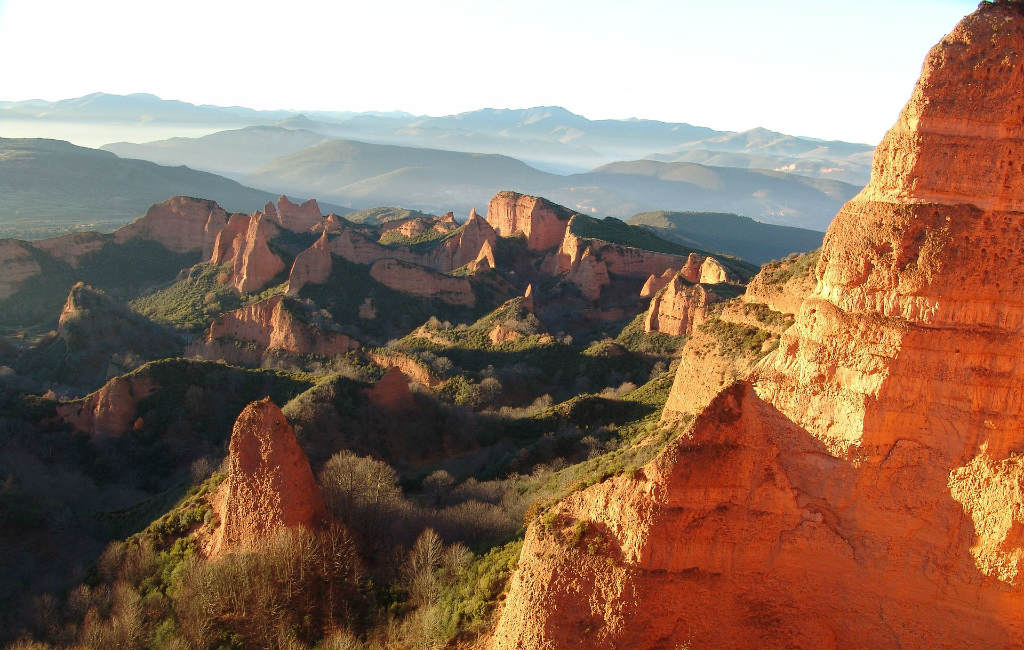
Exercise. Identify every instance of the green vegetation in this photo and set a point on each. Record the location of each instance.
(767, 316)
(374, 216)
(736, 340)
(395, 238)
(618, 231)
(192, 302)
(636, 339)
(779, 272)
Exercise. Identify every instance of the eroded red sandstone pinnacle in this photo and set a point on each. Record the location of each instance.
(298, 218)
(179, 224)
(269, 485)
(473, 243)
(679, 307)
(392, 391)
(864, 490)
(541, 222)
(244, 242)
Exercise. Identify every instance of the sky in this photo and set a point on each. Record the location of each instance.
(821, 68)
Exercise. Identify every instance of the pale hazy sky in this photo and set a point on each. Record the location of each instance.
(806, 67)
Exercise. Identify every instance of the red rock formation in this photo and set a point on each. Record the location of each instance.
(230, 239)
(712, 272)
(528, 302)
(244, 242)
(392, 391)
(298, 218)
(410, 367)
(72, 247)
(277, 323)
(679, 307)
(655, 283)
(473, 242)
(269, 485)
(179, 224)
(541, 222)
(110, 411)
(420, 281)
(17, 265)
(311, 266)
(864, 490)
(589, 274)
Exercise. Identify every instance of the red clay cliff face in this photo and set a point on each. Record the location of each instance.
(179, 224)
(420, 281)
(864, 489)
(278, 323)
(110, 411)
(269, 486)
(311, 266)
(542, 223)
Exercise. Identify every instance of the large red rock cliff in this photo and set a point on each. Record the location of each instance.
(179, 224)
(541, 222)
(863, 490)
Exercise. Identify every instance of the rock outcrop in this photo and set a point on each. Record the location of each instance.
(280, 324)
(420, 281)
(179, 224)
(96, 339)
(655, 283)
(245, 243)
(863, 489)
(110, 411)
(298, 218)
(411, 367)
(269, 485)
(473, 242)
(679, 307)
(311, 266)
(392, 392)
(541, 222)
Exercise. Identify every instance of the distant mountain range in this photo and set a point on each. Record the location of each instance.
(548, 137)
(48, 187)
(363, 175)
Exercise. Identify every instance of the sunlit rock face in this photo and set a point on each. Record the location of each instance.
(864, 487)
(269, 485)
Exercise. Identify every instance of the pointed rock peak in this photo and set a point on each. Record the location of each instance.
(528, 303)
(270, 485)
(268, 210)
(392, 391)
(472, 214)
